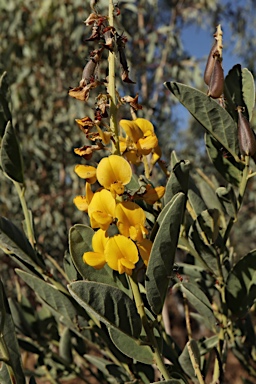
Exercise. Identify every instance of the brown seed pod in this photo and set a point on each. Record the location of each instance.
(210, 64)
(217, 80)
(246, 136)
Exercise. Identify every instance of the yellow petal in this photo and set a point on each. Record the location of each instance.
(122, 144)
(144, 125)
(120, 252)
(81, 203)
(145, 247)
(113, 169)
(105, 136)
(99, 241)
(102, 209)
(86, 172)
(131, 129)
(129, 215)
(147, 143)
(88, 192)
(94, 259)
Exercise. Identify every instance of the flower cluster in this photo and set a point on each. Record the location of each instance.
(111, 206)
(121, 236)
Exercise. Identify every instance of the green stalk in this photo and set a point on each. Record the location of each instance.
(112, 87)
(29, 229)
(149, 331)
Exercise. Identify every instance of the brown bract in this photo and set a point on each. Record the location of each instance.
(133, 101)
(87, 150)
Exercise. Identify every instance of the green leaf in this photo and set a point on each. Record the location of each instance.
(16, 242)
(65, 346)
(241, 285)
(11, 159)
(178, 180)
(200, 302)
(69, 267)
(10, 343)
(228, 199)
(59, 304)
(231, 170)
(248, 90)
(131, 347)
(233, 90)
(215, 119)
(185, 360)
(109, 304)
(206, 252)
(5, 114)
(108, 368)
(80, 239)
(162, 254)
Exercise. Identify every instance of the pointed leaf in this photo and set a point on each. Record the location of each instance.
(231, 170)
(9, 340)
(241, 285)
(11, 159)
(16, 242)
(185, 360)
(109, 304)
(65, 346)
(200, 302)
(178, 180)
(59, 303)
(162, 254)
(215, 119)
(131, 347)
(248, 90)
(207, 253)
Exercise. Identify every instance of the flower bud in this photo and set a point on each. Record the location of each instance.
(217, 80)
(246, 136)
(210, 64)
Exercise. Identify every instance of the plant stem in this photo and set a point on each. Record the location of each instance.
(149, 331)
(29, 229)
(112, 86)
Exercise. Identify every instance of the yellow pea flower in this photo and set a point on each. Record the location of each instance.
(102, 209)
(96, 259)
(113, 173)
(144, 249)
(131, 220)
(121, 254)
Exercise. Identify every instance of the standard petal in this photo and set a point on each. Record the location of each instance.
(113, 169)
(118, 249)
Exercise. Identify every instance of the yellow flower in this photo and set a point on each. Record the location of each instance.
(121, 254)
(97, 259)
(131, 220)
(82, 202)
(144, 249)
(141, 133)
(113, 173)
(86, 172)
(102, 209)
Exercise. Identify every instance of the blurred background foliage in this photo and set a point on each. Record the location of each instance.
(43, 50)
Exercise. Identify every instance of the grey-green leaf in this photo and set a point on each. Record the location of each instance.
(185, 360)
(131, 347)
(200, 302)
(225, 164)
(109, 304)
(59, 303)
(9, 341)
(241, 285)
(215, 119)
(162, 254)
(16, 242)
(248, 90)
(11, 159)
